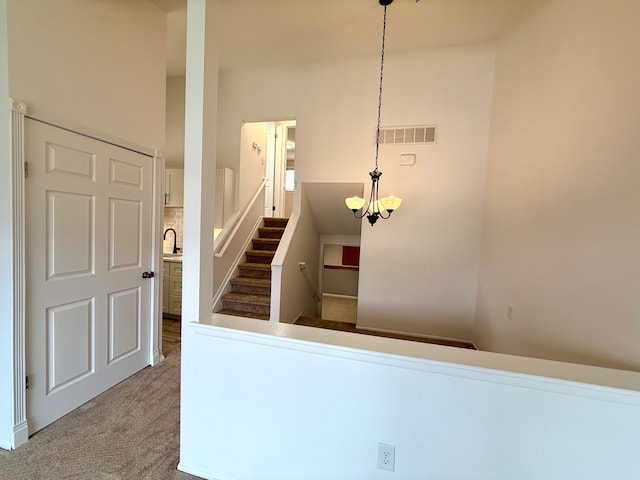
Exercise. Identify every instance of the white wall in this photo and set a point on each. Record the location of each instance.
(290, 292)
(174, 145)
(562, 231)
(425, 258)
(98, 64)
(288, 204)
(328, 398)
(337, 281)
(430, 271)
(333, 255)
(340, 282)
(251, 160)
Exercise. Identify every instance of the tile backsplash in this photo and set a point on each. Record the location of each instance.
(173, 217)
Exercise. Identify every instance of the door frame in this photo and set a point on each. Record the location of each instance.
(19, 112)
(276, 164)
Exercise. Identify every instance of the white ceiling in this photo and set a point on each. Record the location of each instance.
(259, 32)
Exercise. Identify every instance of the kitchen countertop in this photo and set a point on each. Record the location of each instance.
(170, 257)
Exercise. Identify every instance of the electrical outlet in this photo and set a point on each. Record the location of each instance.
(510, 312)
(386, 457)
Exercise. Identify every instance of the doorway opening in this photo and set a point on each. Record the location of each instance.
(340, 274)
(280, 168)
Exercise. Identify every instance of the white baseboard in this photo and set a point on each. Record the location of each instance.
(157, 358)
(293, 322)
(20, 434)
(201, 473)
(336, 295)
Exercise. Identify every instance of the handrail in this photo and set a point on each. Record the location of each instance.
(305, 273)
(238, 221)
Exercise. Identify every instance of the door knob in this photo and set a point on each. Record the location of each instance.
(148, 274)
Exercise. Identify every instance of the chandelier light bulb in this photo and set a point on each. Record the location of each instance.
(390, 203)
(354, 203)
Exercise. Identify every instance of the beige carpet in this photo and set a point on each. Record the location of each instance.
(129, 432)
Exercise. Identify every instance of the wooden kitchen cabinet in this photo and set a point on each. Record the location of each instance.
(174, 188)
(172, 288)
(165, 287)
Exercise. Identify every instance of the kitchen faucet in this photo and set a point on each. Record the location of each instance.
(175, 239)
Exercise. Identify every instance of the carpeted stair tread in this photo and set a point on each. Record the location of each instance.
(275, 222)
(270, 232)
(237, 313)
(256, 266)
(247, 302)
(266, 244)
(255, 270)
(256, 286)
(247, 298)
(261, 253)
(260, 282)
(259, 256)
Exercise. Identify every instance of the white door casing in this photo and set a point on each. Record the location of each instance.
(280, 163)
(269, 171)
(276, 164)
(88, 241)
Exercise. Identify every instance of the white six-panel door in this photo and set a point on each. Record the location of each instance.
(88, 241)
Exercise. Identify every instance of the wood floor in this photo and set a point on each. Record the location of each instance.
(170, 336)
(350, 327)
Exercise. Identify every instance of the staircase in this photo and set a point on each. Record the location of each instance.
(250, 294)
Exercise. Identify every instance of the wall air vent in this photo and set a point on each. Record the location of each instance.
(422, 134)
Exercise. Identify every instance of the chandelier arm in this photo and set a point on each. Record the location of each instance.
(371, 196)
(376, 199)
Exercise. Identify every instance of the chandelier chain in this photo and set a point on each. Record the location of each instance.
(377, 207)
(384, 30)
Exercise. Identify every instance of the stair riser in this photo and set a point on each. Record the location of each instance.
(276, 222)
(252, 289)
(258, 244)
(246, 307)
(270, 233)
(266, 259)
(249, 272)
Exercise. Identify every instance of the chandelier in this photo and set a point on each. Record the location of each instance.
(377, 207)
